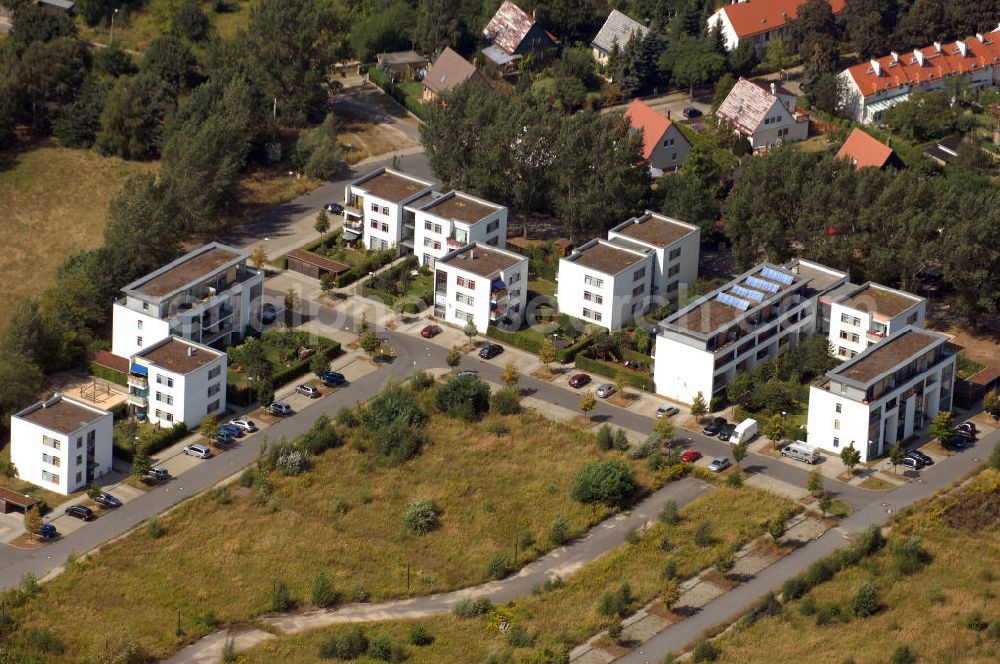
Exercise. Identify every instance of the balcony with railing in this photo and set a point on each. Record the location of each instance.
(875, 335)
(140, 382)
(137, 397)
(498, 292)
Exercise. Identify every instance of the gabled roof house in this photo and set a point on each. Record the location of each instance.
(449, 71)
(764, 113)
(663, 145)
(616, 31)
(758, 21)
(864, 150)
(513, 34)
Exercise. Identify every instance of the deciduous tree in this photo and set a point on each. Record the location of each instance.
(587, 403)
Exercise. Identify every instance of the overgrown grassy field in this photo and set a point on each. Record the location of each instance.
(223, 558)
(561, 617)
(152, 20)
(928, 610)
(53, 202)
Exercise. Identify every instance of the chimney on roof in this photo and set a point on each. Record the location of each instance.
(774, 89)
(668, 113)
(937, 46)
(895, 56)
(876, 67)
(919, 55)
(533, 12)
(191, 351)
(963, 48)
(472, 254)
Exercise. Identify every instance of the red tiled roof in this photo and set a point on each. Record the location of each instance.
(756, 16)
(652, 124)
(862, 149)
(905, 68)
(508, 27)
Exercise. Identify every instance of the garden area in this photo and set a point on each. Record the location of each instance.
(362, 261)
(565, 612)
(406, 286)
(258, 365)
(623, 356)
(425, 476)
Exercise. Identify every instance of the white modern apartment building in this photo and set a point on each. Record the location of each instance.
(61, 444)
(869, 89)
(867, 314)
(209, 295)
(177, 380)
(758, 315)
(607, 282)
(484, 284)
(675, 245)
(452, 221)
(378, 200)
(884, 395)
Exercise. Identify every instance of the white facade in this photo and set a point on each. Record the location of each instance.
(379, 199)
(484, 284)
(607, 283)
(757, 316)
(868, 315)
(61, 444)
(675, 244)
(764, 113)
(209, 296)
(884, 395)
(452, 221)
(178, 381)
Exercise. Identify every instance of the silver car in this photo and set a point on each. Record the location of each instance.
(199, 451)
(605, 390)
(719, 464)
(308, 390)
(246, 425)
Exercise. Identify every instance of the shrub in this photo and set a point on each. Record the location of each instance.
(632, 535)
(828, 613)
(221, 495)
(229, 651)
(819, 572)
(616, 603)
(644, 449)
(393, 404)
(725, 565)
(323, 593)
(421, 516)
(620, 440)
(398, 442)
(29, 585)
(769, 606)
(615, 630)
(518, 637)
(498, 566)
(555, 583)
(292, 462)
(246, 478)
(382, 649)
(974, 621)
(359, 594)
(153, 528)
(558, 532)
(467, 607)
(735, 480)
(808, 607)
(902, 655)
(604, 437)
(464, 397)
(419, 636)
(506, 401)
(793, 588)
(703, 534)
(281, 598)
(669, 570)
(993, 631)
(45, 641)
(349, 644)
(910, 555)
(864, 603)
(670, 515)
(705, 651)
(776, 529)
(607, 482)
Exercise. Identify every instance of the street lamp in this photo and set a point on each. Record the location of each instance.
(113, 14)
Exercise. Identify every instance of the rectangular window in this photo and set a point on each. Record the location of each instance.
(428, 225)
(836, 442)
(437, 245)
(460, 281)
(79, 441)
(492, 226)
(145, 306)
(842, 351)
(639, 274)
(638, 290)
(836, 424)
(138, 341)
(50, 477)
(437, 228)
(212, 407)
(428, 242)
(79, 477)
(164, 415)
(213, 389)
(214, 372)
(855, 338)
(79, 459)
(844, 318)
(839, 407)
(674, 254)
(514, 278)
(671, 287)
(673, 270)
(471, 284)
(385, 227)
(385, 210)
(51, 442)
(374, 207)
(374, 224)
(856, 322)
(593, 281)
(138, 324)
(843, 334)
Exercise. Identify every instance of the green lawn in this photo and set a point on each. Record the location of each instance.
(542, 287)
(559, 618)
(220, 559)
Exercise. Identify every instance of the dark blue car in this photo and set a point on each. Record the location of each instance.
(232, 430)
(333, 378)
(48, 531)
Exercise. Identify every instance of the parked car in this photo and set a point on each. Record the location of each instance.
(80, 512)
(308, 390)
(467, 372)
(690, 112)
(714, 427)
(800, 452)
(233, 430)
(968, 426)
(719, 464)
(579, 380)
(489, 351)
(202, 452)
(966, 437)
(334, 208)
(246, 425)
(912, 462)
(726, 431)
(430, 331)
(605, 390)
(667, 411)
(923, 457)
(48, 531)
(333, 378)
(158, 474)
(268, 313)
(107, 500)
(690, 456)
(280, 408)
(955, 442)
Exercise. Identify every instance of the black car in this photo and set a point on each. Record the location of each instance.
(268, 314)
(955, 442)
(691, 113)
(965, 435)
(923, 457)
(80, 512)
(490, 351)
(726, 432)
(714, 427)
(106, 499)
(334, 208)
(333, 378)
(967, 426)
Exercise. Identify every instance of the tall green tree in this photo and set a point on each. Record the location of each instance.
(50, 76)
(133, 117)
(317, 152)
(437, 26)
(693, 61)
(33, 24)
(383, 31)
(869, 24)
(170, 60)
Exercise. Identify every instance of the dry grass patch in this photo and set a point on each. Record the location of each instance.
(568, 615)
(53, 203)
(222, 557)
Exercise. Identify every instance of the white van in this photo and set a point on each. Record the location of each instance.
(800, 452)
(745, 432)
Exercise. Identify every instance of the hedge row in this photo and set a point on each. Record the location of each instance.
(158, 441)
(569, 353)
(613, 371)
(533, 345)
(108, 374)
(244, 396)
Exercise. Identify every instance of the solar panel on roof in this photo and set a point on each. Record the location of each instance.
(756, 296)
(726, 298)
(774, 275)
(761, 285)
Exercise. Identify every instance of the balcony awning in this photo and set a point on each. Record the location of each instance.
(350, 235)
(138, 370)
(497, 285)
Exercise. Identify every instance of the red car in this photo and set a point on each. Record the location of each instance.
(579, 380)
(690, 456)
(430, 331)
